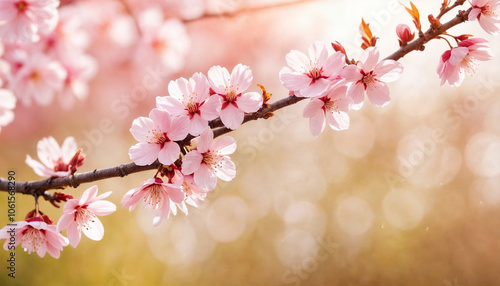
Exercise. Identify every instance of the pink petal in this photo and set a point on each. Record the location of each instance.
(227, 171)
(39, 169)
(179, 128)
(474, 13)
(211, 108)
(68, 149)
(388, 70)
(141, 128)
(102, 208)
(178, 89)
(378, 94)
(241, 77)
(318, 53)
(334, 64)
(294, 81)
(457, 55)
(351, 73)
(88, 196)
(225, 145)
(64, 222)
(338, 120)
(160, 118)
(144, 153)
(313, 107)
(196, 125)
(131, 198)
(74, 235)
(48, 151)
(218, 78)
(205, 140)
(95, 229)
(250, 102)
(369, 59)
(175, 194)
(205, 177)
(201, 86)
(316, 89)
(102, 196)
(191, 162)
(169, 153)
(232, 117)
(317, 123)
(356, 93)
(171, 105)
(297, 61)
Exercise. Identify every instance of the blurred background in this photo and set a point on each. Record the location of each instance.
(409, 195)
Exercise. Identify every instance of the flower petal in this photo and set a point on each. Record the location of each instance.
(231, 116)
(144, 153)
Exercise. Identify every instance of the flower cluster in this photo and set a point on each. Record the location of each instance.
(333, 86)
(38, 234)
(192, 170)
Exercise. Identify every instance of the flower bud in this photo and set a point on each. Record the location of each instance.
(404, 34)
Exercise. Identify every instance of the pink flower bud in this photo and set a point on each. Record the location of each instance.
(404, 34)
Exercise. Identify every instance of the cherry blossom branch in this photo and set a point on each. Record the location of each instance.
(431, 33)
(39, 188)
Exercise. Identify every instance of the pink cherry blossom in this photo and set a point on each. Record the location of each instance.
(191, 98)
(370, 76)
(310, 77)
(7, 105)
(34, 235)
(487, 12)
(81, 215)
(210, 160)
(193, 193)
(231, 88)
(455, 62)
(39, 78)
(80, 69)
(24, 20)
(56, 161)
(333, 107)
(156, 195)
(164, 41)
(157, 135)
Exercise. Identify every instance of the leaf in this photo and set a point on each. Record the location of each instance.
(414, 14)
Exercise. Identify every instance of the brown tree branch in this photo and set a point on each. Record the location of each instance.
(39, 188)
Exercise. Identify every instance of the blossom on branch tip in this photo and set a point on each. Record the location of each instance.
(191, 98)
(24, 20)
(370, 76)
(455, 62)
(34, 235)
(56, 161)
(487, 13)
(333, 107)
(310, 77)
(81, 215)
(210, 160)
(231, 88)
(156, 195)
(157, 135)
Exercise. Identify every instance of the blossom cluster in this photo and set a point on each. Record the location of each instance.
(37, 233)
(191, 168)
(336, 87)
